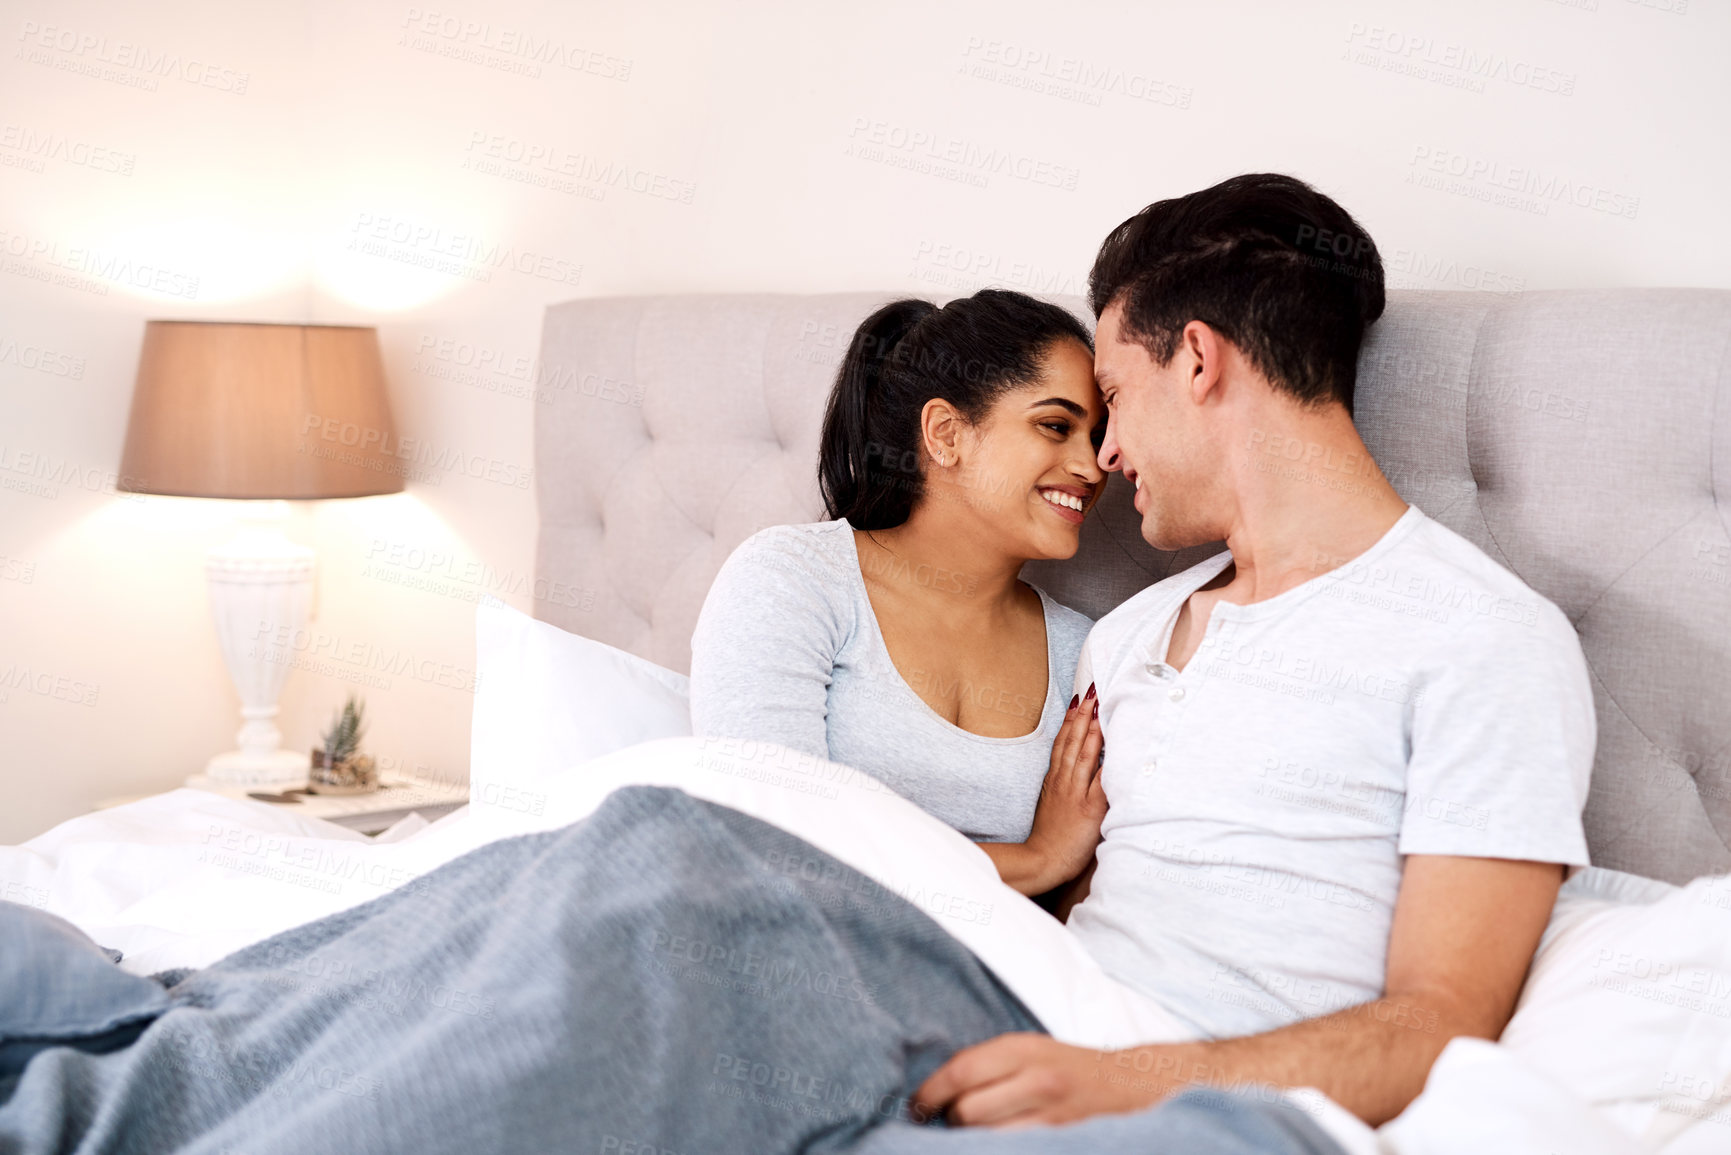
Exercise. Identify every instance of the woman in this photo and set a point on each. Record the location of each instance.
(959, 443)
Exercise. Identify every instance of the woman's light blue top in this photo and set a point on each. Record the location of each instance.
(787, 649)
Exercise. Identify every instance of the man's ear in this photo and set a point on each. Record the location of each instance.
(1205, 352)
(941, 429)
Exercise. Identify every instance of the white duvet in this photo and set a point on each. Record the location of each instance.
(184, 878)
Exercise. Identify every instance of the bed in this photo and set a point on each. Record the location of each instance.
(1580, 438)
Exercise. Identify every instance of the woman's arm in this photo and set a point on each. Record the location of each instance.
(763, 651)
(1068, 896)
(1067, 818)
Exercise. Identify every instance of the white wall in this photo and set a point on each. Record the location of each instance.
(218, 160)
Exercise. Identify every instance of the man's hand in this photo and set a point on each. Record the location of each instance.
(1463, 936)
(1067, 818)
(1025, 1078)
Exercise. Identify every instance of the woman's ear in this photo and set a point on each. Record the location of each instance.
(941, 428)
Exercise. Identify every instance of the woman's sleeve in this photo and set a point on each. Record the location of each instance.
(764, 651)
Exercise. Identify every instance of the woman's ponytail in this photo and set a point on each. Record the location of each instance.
(856, 452)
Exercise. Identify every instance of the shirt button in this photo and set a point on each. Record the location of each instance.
(1148, 767)
(1177, 693)
(1158, 669)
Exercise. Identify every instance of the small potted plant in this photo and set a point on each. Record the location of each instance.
(339, 767)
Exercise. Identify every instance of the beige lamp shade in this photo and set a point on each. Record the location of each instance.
(296, 412)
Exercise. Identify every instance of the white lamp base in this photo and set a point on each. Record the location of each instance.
(279, 770)
(261, 586)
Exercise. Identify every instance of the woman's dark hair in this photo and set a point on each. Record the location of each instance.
(969, 353)
(1272, 265)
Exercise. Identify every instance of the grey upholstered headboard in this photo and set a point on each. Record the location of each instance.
(1583, 439)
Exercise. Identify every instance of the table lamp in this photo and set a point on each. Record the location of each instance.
(260, 413)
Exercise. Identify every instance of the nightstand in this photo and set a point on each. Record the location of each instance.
(397, 797)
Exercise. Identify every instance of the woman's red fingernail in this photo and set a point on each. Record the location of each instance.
(1073, 701)
(1096, 712)
(1090, 689)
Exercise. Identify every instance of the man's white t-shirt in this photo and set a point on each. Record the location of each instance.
(1419, 699)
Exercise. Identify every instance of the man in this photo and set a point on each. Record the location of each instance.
(1346, 758)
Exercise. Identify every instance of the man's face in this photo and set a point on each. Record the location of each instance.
(1153, 434)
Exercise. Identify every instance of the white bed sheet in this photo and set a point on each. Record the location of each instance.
(184, 878)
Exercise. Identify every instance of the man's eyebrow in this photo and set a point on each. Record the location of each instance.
(1064, 403)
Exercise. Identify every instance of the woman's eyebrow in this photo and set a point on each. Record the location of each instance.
(1064, 403)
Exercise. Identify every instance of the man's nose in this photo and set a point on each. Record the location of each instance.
(1108, 455)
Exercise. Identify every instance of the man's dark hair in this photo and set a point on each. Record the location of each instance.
(1271, 264)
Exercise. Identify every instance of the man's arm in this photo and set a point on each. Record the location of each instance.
(1462, 939)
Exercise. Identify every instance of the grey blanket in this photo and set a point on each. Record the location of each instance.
(665, 977)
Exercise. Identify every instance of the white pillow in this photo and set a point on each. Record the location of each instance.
(1480, 1097)
(548, 700)
(1628, 1003)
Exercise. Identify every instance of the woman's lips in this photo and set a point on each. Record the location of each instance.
(1073, 516)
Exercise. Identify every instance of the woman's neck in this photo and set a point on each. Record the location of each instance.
(946, 555)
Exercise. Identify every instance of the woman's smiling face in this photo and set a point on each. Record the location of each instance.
(1028, 467)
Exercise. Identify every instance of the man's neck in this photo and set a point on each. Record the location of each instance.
(1306, 498)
